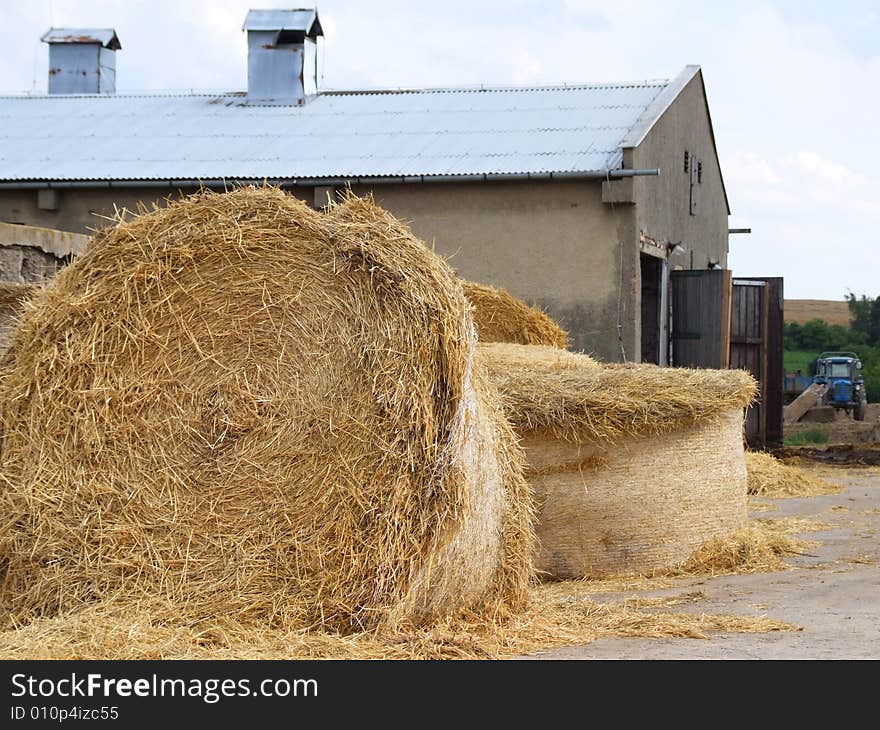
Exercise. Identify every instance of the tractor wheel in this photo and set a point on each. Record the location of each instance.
(859, 411)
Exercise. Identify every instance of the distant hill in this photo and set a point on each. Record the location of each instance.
(802, 310)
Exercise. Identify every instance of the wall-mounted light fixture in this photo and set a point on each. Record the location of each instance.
(674, 248)
(713, 264)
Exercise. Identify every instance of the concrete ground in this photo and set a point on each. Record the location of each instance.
(833, 594)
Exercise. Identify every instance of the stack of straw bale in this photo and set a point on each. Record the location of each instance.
(633, 467)
(501, 317)
(236, 405)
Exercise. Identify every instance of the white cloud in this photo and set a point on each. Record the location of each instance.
(822, 170)
(749, 169)
(527, 68)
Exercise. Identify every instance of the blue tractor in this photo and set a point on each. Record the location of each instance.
(841, 373)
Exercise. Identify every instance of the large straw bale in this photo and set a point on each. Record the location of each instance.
(501, 317)
(235, 405)
(633, 467)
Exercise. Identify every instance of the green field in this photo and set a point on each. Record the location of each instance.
(794, 360)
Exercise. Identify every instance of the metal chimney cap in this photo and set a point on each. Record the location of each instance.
(304, 20)
(105, 36)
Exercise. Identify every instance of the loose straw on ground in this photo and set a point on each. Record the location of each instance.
(771, 477)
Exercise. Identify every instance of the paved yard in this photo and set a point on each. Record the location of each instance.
(834, 594)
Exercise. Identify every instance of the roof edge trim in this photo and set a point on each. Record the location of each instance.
(656, 108)
(336, 180)
(105, 37)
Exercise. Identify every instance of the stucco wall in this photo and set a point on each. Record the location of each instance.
(552, 243)
(83, 209)
(555, 244)
(662, 209)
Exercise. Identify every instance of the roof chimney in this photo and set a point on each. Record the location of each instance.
(282, 56)
(82, 60)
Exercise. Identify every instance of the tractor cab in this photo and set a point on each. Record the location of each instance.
(841, 372)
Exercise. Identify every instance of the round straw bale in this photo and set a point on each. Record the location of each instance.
(502, 356)
(13, 294)
(501, 317)
(633, 468)
(12, 298)
(646, 503)
(238, 405)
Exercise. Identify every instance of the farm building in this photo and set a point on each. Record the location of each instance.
(580, 198)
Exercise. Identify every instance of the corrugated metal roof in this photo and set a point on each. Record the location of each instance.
(296, 19)
(518, 132)
(105, 36)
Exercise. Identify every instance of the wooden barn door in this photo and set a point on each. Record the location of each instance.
(748, 347)
(700, 318)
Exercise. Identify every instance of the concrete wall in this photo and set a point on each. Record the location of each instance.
(30, 255)
(27, 265)
(551, 243)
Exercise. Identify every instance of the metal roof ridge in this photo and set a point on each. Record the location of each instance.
(127, 95)
(174, 93)
(483, 88)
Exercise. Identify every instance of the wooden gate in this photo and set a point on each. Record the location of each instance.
(748, 348)
(720, 322)
(756, 334)
(773, 388)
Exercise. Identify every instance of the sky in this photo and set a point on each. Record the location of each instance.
(793, 87)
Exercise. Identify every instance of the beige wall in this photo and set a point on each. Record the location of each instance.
(663, 202)
(554, 244)
(662, 209)
(83, 209)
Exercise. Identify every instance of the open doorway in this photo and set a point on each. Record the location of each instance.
(652, 302)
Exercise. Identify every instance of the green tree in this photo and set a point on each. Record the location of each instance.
(871, 376)
(791, 336)
(865, 313)
(874, 327)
